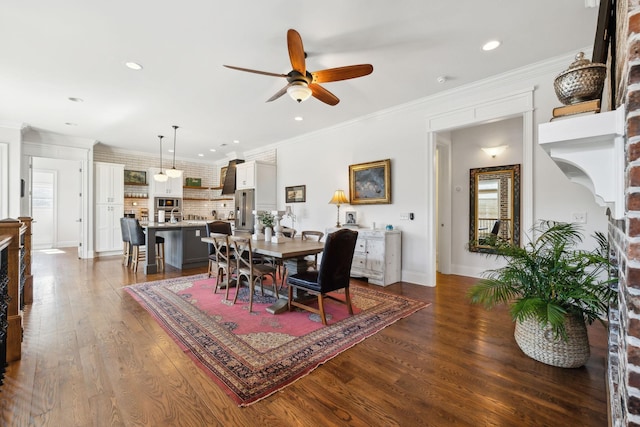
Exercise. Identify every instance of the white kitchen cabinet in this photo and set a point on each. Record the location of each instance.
(260, 176)
(378, 256)
(109, 182)
(109, 190)
(107, 227)
(170, 188)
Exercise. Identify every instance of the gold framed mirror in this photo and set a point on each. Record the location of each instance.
(494, 200)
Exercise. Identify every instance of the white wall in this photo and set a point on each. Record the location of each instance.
(10, 135)
(321, 160)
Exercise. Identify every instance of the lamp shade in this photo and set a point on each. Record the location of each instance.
(339, 198)
(160, 177)
(494, 151)
(174, 173)
(299, 91)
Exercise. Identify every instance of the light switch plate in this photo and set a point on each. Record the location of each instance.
(579, 217)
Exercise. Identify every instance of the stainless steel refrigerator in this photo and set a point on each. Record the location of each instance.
(245, 205)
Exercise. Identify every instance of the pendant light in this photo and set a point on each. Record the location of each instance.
(173, 172)
(160, 177)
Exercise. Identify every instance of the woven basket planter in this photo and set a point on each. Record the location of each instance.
(538, 342)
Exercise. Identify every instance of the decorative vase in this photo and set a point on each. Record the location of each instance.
(582, 81)
(268, 232)
(538, 342)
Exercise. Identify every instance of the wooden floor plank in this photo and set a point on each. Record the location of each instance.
(93, 356)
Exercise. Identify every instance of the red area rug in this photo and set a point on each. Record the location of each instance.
(252, 355)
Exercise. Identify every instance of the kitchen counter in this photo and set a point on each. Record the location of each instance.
(183, 247)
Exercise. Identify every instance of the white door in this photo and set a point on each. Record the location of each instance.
(43, 208)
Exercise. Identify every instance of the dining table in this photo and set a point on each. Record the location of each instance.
(290, 251)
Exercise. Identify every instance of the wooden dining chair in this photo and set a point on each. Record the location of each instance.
(247, 269)
(316, 236)
(333, 274)
(224, 262)
(219, 227)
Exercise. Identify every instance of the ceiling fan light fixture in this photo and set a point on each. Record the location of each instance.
(299, 91)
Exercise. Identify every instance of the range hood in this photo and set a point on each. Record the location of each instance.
(590, 151)
(229, 185)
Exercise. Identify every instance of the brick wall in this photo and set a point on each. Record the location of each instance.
(624, 235)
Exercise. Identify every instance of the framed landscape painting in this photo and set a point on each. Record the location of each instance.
(370, 183)
(135, 177)
(296, 194)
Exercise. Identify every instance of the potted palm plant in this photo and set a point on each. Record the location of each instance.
(552, 289)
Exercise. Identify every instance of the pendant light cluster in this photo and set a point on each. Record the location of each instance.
(173, 172)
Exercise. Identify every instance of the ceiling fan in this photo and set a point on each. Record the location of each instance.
(302, 83)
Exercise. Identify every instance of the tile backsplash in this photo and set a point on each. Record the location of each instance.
(197, 203)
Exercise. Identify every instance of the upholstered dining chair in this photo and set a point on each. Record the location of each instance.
(219, 227)
(247, 269)
(126, 242)
(333, 274)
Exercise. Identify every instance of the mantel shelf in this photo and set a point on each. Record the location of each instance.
(590, 151)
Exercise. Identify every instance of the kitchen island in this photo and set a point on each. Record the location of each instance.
(183, 246)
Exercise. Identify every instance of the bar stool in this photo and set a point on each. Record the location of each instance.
(126, 242)
(138, 238)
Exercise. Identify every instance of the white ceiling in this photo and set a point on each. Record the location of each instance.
(53, 50)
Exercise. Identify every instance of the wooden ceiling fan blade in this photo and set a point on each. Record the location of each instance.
(323, 95)
(341, 73)
(279, 93)
(248, 70)
(296, 52)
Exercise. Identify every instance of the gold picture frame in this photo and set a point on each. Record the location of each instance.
(370, 183)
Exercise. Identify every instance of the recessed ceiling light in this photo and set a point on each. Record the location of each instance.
(493, 44)
(298, 118)
(235, 141)
(72, 99)
(441, 79)
(200, 155)
(133, 65)
(170, 150)
(213, 150)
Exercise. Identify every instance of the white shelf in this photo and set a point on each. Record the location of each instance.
(590, 151)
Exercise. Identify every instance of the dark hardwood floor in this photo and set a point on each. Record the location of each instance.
(93, 357)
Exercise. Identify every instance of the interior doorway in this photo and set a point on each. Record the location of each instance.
(56, 202)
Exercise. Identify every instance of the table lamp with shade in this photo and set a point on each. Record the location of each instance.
(338, 199)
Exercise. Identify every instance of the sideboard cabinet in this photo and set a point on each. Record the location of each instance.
(378, 256)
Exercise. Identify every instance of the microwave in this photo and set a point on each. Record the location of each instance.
(167, 203)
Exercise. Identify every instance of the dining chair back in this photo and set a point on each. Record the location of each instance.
(218, 227)
(248, 270)
(224, 264)
(333, 274)
(315, 236)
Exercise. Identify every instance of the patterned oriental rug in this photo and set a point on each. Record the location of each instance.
(252, 355)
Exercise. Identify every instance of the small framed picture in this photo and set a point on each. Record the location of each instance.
(135, 177)
(296, 194)
(350, 218)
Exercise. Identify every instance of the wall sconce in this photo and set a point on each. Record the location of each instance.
(494, 151)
